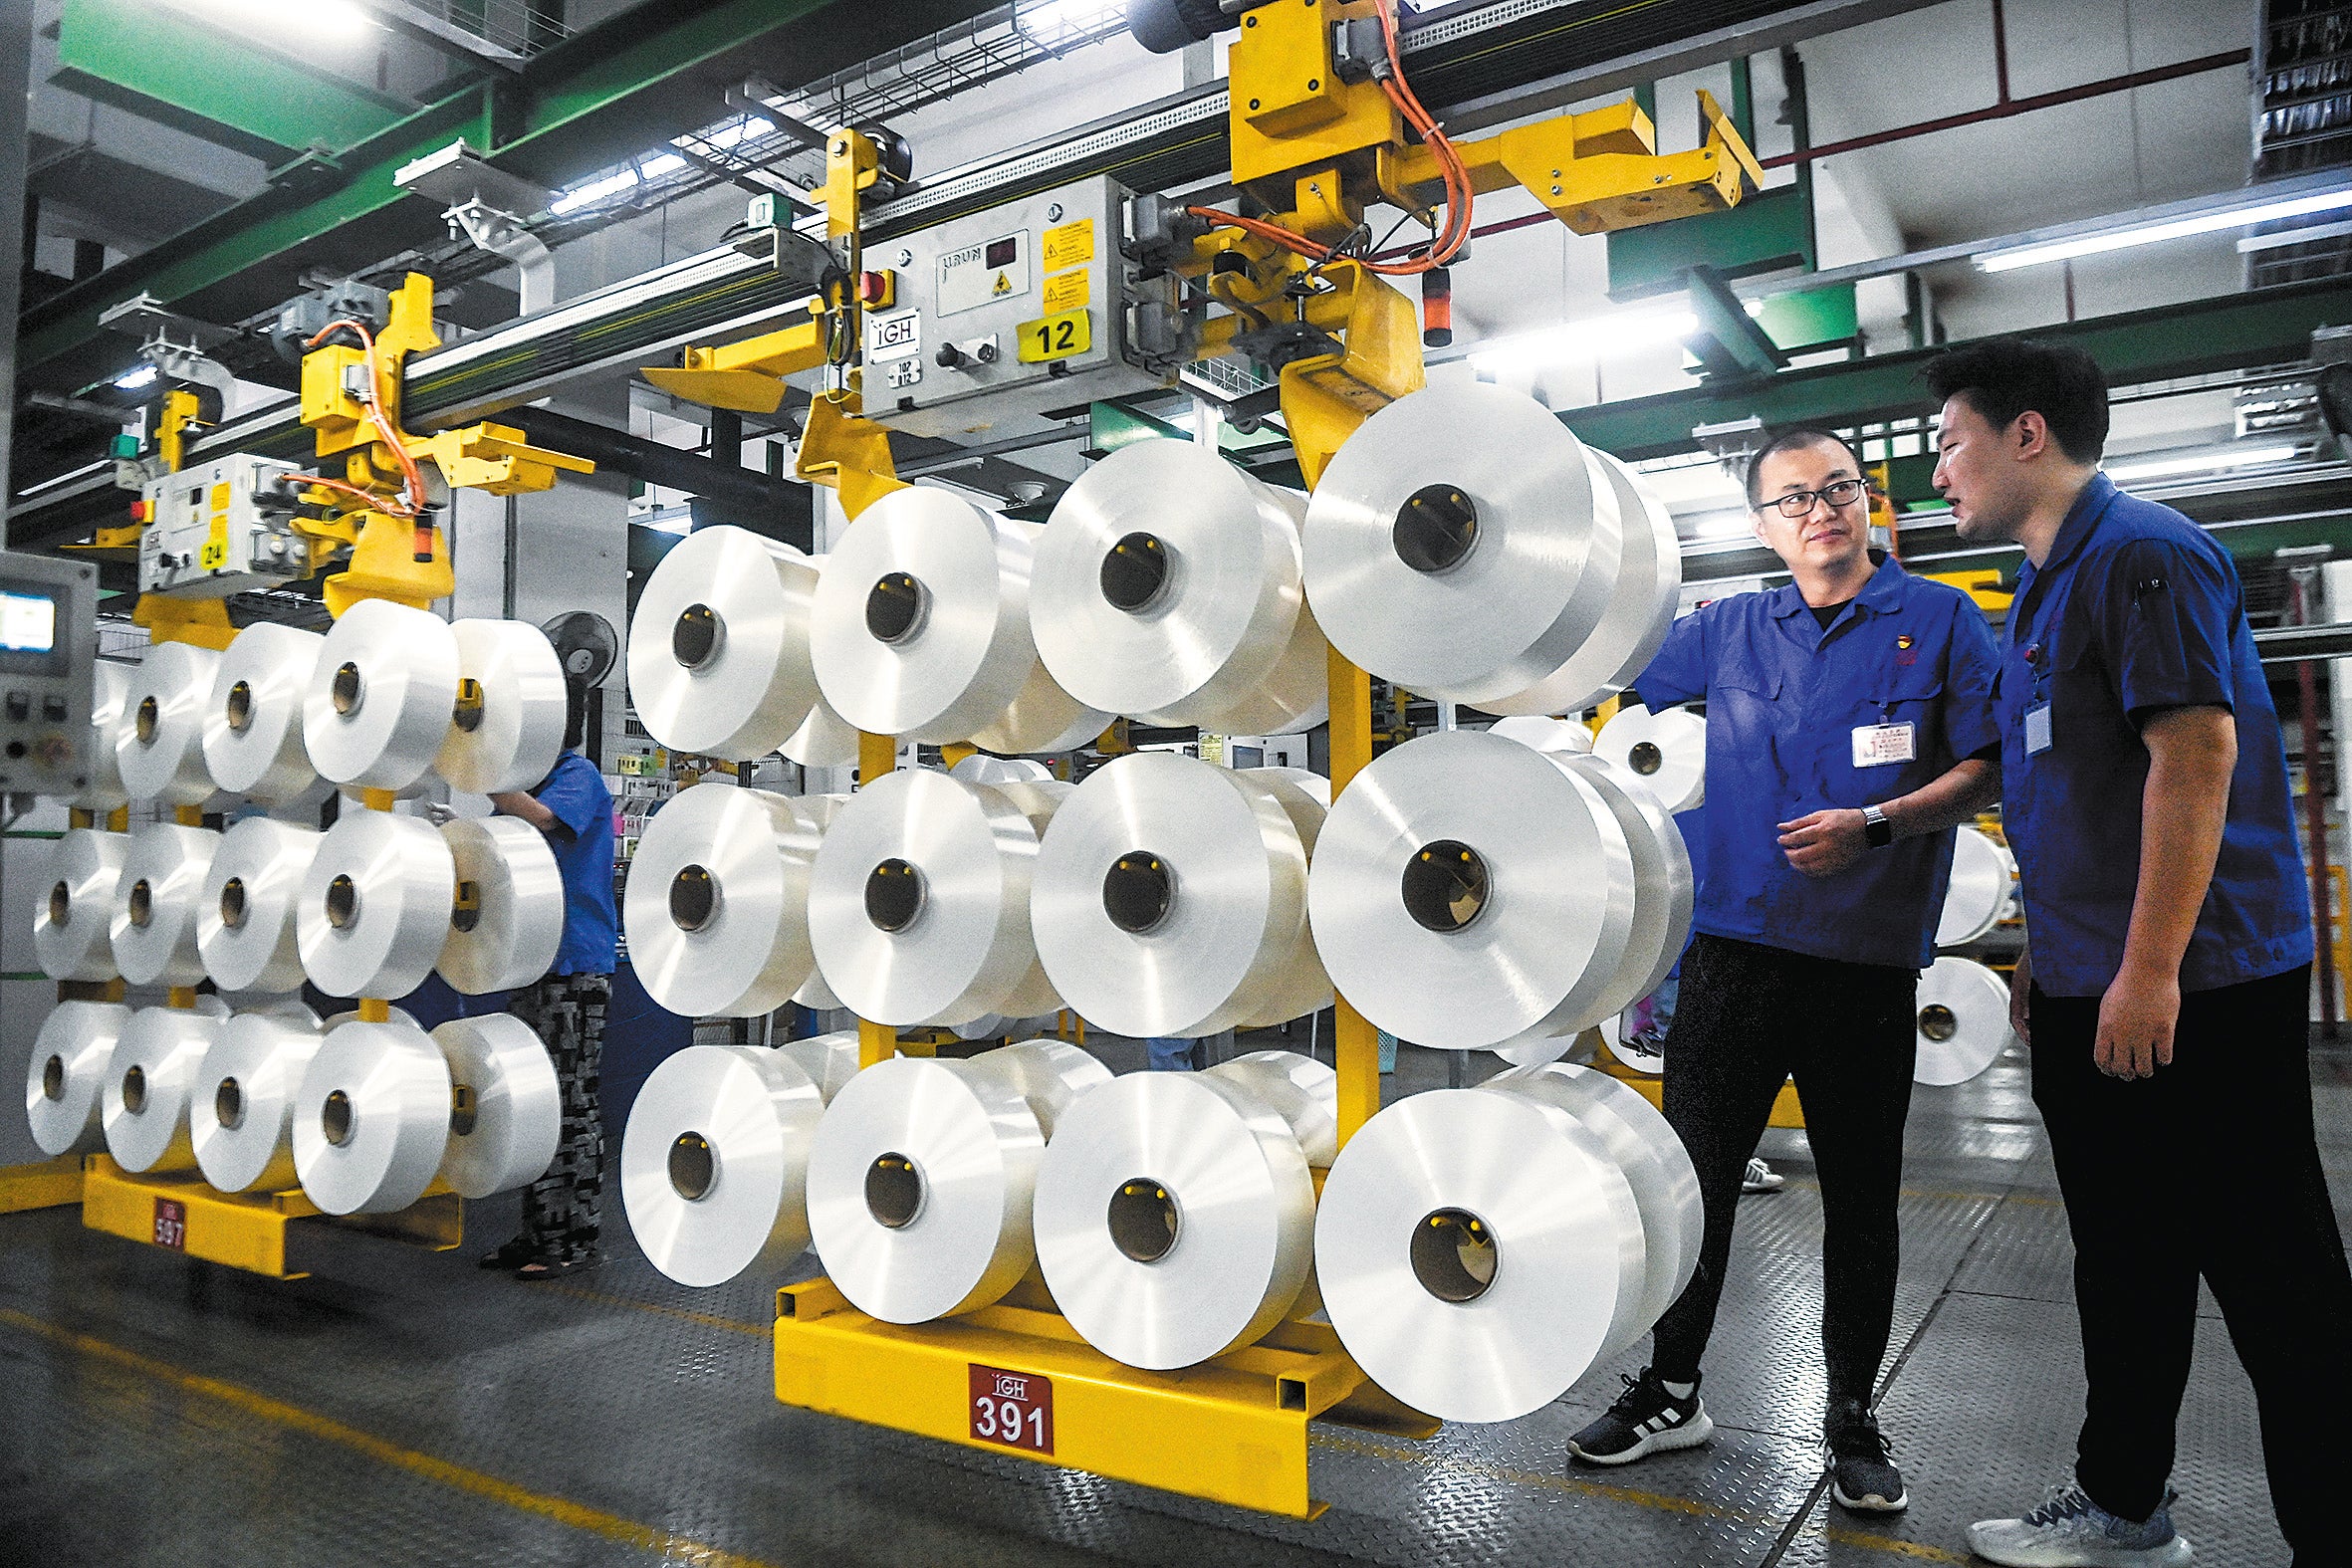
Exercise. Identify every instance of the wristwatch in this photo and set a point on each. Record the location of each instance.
(1877, 831)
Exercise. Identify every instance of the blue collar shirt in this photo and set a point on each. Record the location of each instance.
(581, 839)
(2136, 610)
(1785, 697)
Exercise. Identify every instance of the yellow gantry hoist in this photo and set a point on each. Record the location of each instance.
(1324, 127)
(203, 530)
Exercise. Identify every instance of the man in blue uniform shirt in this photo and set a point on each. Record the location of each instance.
(1849, 727)
(563, 1209)
(2166, 988)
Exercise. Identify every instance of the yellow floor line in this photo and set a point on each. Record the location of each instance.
(578, 1516)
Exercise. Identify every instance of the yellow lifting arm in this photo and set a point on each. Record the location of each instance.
(746, 376)
(845, 452)
(1601, 170)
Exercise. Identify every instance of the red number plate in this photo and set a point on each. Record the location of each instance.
(1015, 1409)
(171, 1223)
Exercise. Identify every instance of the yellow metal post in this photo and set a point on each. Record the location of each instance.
(1355, 1043)
(877, 756)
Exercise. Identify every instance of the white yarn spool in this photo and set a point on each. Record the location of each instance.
(507, 728)
(506, 1110)
(65, 1078)
(159, 748)
(373, 907)
(506, 918)
(919, 903)
(1667, 751)
(717, 903)
(382, 695)
(1168, 588)
(1456, 545)
(718, 651)
(714, 1167)
(1169, 897)
(1468, 891)
(149, 1078)
(154, 926)
(73, 923)
(246, 932)
(371, 1118)
(253, 730)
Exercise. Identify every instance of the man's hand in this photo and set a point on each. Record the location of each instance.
(2135, 1020)
(2022, 995)
(1824, 842)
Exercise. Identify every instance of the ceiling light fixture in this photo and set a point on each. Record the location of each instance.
(339, 20)
(1580, 341)
(2243, 211)
(2202, 462)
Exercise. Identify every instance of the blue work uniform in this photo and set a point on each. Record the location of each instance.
(2136, 610)
(581, 839)
(1803, 718)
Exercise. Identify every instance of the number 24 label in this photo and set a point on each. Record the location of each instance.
(1015, 1409)
(1057, 336)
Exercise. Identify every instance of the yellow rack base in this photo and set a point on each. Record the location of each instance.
(1232, 1431)
(258, 1232)
(47, 1185)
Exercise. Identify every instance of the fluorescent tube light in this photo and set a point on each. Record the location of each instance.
(1574, 342)
(2202, 462)
(2235, 217)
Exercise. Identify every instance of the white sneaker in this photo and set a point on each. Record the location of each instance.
(1761, 1178)
(2071, 1531)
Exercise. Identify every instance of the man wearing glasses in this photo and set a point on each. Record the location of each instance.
(1849, 727)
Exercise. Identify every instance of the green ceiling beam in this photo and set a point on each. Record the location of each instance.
(2261, 326)
(600, 96)
(308, 199)
(581, 106)
(167, 66)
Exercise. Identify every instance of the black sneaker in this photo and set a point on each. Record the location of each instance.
(1645, 1420)
(1863, 1478)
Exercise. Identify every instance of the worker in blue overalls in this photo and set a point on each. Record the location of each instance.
(1849, 727)
(2166, 983)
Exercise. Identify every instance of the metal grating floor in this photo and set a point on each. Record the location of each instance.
(411, 1409)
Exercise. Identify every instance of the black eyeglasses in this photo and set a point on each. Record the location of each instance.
(1838, 493)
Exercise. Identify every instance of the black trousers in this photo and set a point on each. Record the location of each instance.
(562, 1210)
(2208, 1167)
(1749, 1018)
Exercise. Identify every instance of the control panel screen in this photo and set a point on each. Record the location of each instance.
(28, 642)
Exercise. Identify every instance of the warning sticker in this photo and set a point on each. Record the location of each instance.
(984, 274)
(1069, 245)
(1065, 291)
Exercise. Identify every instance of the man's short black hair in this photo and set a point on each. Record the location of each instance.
(574, 714)
(1790, 440)
(2006, 377)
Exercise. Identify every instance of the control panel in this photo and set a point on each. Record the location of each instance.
(221, 527)
(48, 616)
(1002, 323)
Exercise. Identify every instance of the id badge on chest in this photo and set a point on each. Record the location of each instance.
(2037, 729)
(1879, 745)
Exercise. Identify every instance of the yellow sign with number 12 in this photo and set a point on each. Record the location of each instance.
(1057, 336)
